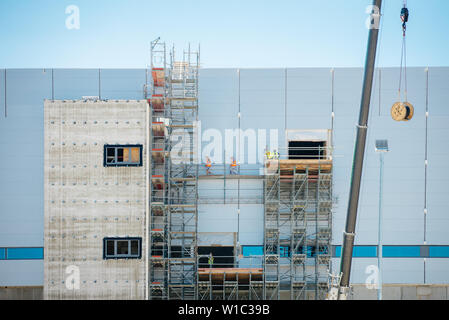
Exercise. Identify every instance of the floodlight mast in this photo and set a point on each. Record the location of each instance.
(339, 287)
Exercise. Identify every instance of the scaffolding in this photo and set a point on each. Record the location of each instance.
(297, 200)
(173, 101)
(297, 227)
(230, 284)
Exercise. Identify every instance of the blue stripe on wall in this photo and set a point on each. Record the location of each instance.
(439, 251)
(284, 251)
(359, 251)
(24, 253)
(401, 251)
(252, 251)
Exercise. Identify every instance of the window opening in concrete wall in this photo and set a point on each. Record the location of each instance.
(122, 248)
(306, 149)
(134, 247)
(110, 248)
(122, 155)
(223, 257)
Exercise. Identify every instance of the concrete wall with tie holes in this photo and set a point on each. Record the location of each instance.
(84, 201)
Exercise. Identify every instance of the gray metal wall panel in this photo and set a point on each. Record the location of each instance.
(361, 269)
(21, 168)
(251, 262)
(438, 157)
(438, 91)
(251, 224)
(123, 83)
(346, 95)
(406, 155)
(368, 220)
(404, 164)
(262, 106)
(227, 190)
(210, 189)
(22, 272)
(309, 98)
(217, 218)
(394, 270)
(75, 83)
(224, 217)
(403, 270)
(347, 91)
(232, 190)
(401, 209)
(360, 273)
(436, 271)
(251, 189)
(218, 102)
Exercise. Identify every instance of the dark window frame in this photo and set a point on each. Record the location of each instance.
(122, 164)
(122, 256)
(307, 149)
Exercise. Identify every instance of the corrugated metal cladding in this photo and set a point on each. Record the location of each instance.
(415, 183)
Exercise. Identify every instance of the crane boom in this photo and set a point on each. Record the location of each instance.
(359, 152)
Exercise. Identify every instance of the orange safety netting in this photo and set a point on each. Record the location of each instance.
(157, 104)
(158, 77)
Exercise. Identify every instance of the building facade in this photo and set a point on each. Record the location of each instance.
(270, 107)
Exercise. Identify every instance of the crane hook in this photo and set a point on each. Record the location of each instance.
(403, 111)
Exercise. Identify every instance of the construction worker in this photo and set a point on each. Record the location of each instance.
(268, 154)
(233, 166)
(210, 261)
(208, 166)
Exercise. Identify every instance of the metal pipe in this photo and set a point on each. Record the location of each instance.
(359, 152)
(379, 246)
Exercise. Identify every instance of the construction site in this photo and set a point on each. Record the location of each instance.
(297, 202)
(164, 220)
(150, 162)
(177, 182)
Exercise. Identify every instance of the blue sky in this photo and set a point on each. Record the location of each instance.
(245, 33)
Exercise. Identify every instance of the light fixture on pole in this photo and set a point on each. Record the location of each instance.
(381, 148)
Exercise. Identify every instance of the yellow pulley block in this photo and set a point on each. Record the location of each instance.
(402, 111)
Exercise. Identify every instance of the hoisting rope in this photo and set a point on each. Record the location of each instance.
(404, 19)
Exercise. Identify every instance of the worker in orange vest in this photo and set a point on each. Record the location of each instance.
(233, 166)
(208, 166)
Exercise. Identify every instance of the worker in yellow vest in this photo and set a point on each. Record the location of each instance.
(233, 166)
(210, 260)
(268, 154)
